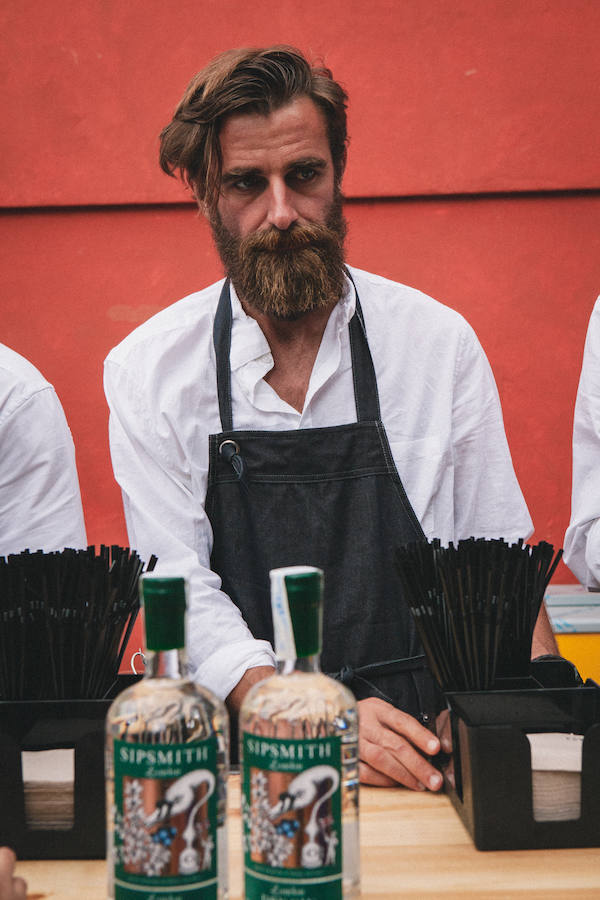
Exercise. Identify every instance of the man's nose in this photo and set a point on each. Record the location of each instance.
(281, 210)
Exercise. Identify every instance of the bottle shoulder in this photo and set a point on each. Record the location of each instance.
(155, 706)
(300, 695)
(154, 690)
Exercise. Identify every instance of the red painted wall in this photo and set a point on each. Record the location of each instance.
(474, 175)
(446, 96)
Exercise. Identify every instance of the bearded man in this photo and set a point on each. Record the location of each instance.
(302, 412)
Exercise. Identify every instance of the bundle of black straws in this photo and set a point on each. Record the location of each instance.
(475, 606)
(65, 619)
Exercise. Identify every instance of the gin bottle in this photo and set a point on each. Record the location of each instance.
(299, 760)
(166, 768)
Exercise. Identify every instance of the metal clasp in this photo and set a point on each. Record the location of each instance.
(230, 451)
(228, 448)
(132, 662)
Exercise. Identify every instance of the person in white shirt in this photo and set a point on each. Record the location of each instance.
(302, 411)
(40, 502)
(582, 539)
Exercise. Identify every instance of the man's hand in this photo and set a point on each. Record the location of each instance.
(11, 887)
(391, 745)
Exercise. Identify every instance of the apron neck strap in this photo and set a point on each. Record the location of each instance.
(363, 371)
(222, 344)
(366, 395)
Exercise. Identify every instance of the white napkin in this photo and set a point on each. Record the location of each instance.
(49, 777)
(556, 775)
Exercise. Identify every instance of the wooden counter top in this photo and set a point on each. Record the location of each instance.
(412, 845)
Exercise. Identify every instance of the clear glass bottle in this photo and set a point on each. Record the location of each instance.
(299, 760)
(166, 765)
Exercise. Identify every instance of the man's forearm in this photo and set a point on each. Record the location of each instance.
(249, 678)
(543, 637)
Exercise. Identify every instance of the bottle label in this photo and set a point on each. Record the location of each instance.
(291, 808)
(165, 820)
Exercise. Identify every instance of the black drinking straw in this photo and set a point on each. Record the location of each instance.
(475, 605)
(65, 620)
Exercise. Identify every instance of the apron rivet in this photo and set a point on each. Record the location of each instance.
(233, 445)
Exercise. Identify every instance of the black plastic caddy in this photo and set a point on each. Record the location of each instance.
(50, 725)
(489, 776)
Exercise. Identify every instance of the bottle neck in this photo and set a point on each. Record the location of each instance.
(301, 664)
(165, 663)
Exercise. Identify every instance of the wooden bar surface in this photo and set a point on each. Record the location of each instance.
(412, 845)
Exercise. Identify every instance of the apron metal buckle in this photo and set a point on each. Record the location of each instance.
(230, 451)
(228, 448)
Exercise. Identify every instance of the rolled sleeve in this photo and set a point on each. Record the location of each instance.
(165, 517)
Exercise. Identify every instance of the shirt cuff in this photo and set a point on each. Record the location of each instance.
(224, 669)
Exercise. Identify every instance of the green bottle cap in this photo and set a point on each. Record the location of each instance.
(296, 600)
(164, 603)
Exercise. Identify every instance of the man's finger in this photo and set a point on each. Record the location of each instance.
(368, 775)
(408, 727)
(19, 886)
(389, 744)
(395, 765)
(7, 865)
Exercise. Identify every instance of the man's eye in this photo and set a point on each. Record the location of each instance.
(305, 174)
(247, 183)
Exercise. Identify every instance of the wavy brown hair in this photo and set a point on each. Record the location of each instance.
(246, 80)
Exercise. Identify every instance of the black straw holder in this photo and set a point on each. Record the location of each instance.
(489, 780)
(50, 725)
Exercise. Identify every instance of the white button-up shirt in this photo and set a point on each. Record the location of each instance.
(439, 405)
(40, 504)
(582, 540)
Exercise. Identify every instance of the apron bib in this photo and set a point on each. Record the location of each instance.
(328, 497)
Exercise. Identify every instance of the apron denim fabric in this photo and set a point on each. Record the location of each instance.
(328, 497)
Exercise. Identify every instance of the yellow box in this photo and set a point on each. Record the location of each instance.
(575, 616)
(583, 650)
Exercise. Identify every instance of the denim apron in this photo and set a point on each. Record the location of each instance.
(328, 497)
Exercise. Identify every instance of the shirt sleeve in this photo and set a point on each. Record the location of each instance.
(40, 502)
(488, 501)
(582, 539)
(165, 517)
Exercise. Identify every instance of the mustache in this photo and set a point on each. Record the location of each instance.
(296, 237)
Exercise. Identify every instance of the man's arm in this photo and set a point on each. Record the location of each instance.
(165, 516)
(487, 503)
(543, 637)
(249, 678)
(582, 539)
(40, 503)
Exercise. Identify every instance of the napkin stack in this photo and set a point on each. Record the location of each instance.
(556, 775)
(48, 777)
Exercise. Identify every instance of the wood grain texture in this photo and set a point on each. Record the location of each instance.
(412, 845)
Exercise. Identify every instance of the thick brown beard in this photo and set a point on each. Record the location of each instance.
(286, 274)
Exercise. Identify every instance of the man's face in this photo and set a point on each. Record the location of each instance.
(276, 169)
(278, 223)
